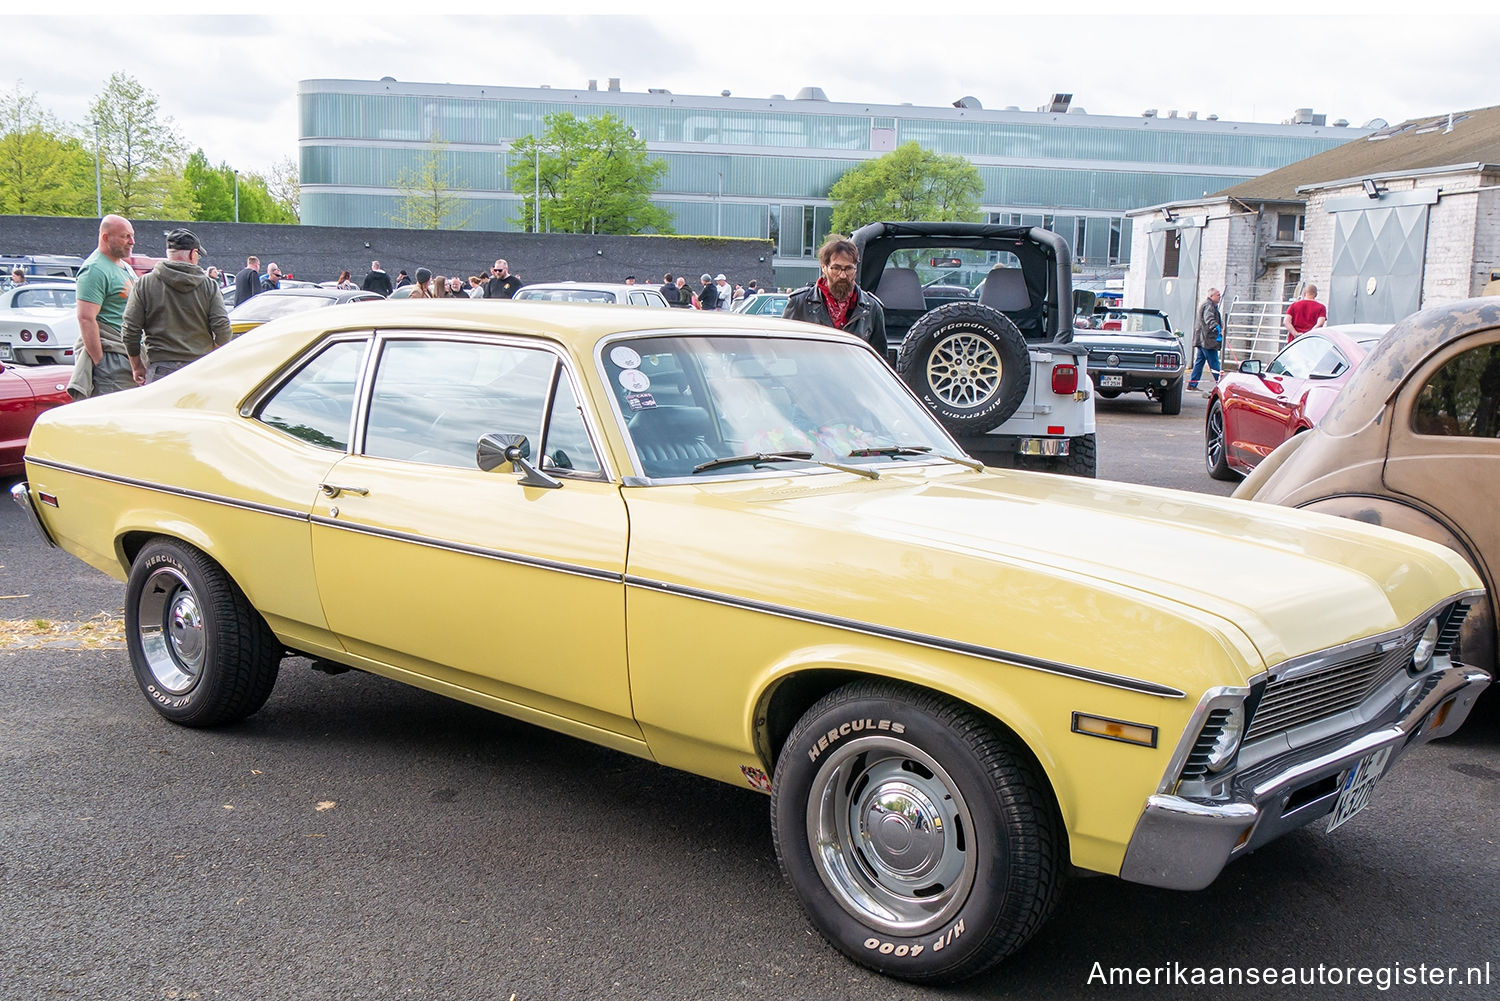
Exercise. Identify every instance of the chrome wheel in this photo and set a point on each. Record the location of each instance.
(171, 630)
(964, 369)
(1215, 437)
(891, 836)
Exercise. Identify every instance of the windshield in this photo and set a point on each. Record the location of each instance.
(687, 400)
(1128, 323)
(566, 294)
(268, 307)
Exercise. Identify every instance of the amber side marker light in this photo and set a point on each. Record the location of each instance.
(49, 499)
(1114, 729)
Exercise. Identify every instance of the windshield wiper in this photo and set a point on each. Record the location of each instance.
(753, 457)
(914, 450)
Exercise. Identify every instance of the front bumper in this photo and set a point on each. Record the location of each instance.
(1183, 844)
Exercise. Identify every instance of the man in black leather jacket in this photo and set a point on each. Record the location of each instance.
(835, 300)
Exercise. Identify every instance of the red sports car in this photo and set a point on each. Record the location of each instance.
(25, 391)
(1253, 410)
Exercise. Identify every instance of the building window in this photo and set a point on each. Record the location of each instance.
(1288, 227)
(1171, 246)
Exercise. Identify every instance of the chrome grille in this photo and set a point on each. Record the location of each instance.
(1335, 689)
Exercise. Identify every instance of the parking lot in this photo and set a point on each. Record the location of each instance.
(359, 838)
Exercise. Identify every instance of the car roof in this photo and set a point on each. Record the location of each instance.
(590, 286)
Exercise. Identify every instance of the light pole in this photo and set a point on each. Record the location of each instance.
(98, 185)
(536, 197)
(236, 196)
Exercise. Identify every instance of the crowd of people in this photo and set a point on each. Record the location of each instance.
(133, 330)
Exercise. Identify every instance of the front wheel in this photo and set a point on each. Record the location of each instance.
(921, 841)
(1216, 444)
(201, 653)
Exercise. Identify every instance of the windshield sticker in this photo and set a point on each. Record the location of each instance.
(625, 357)
(633, 380)
(640, 401)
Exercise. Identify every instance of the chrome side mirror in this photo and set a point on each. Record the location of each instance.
(496, 450)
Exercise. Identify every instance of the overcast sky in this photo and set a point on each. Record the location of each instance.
(230, 82)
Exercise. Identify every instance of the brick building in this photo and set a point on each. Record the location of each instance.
(1405, 217)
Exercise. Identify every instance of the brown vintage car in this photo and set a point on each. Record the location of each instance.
(1412, 443)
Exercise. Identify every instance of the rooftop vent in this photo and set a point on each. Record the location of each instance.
(1058, 104)
(1342, 123)
(657, 90)
(387, 79)
(1077, 109)
(968, 102)
(1149, 113)
(778, 97)
(1193, 115)
(593, 85)
(614, 83)
(1212, 118)
(811, 94)
(723, 93)
(1012, 107)
(1376, 123)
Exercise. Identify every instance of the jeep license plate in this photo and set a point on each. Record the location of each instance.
(1359, 783)
(1111, 381)
(5, 353)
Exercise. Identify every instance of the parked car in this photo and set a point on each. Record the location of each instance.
(999, 371)
(272, 303)
(1253, 411)
(39, 323)
(596, 292)
(762, 304)
(741, 547)
(1412, 443)
(25, 392)
(37, 266)
(1134, 351)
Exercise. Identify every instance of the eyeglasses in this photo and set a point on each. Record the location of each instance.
(494, 271)
(842, 269)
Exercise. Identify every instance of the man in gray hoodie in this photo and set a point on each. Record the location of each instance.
(175, 314)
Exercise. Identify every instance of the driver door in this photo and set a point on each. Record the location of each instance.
(472, 580)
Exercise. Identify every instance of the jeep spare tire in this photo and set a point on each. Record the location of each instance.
(969, 364)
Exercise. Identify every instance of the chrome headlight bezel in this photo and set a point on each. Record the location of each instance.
(1426, 648)
(1227, 742)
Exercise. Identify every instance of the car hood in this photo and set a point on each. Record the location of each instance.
(1182, 588)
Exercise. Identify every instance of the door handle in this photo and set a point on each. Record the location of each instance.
(333, 490)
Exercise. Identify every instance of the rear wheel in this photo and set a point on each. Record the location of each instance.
(1171, 399)
(201, 653)
(921, 841)
(1216, 445)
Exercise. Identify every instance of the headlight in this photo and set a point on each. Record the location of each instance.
(1426, 645)
(1231, 732)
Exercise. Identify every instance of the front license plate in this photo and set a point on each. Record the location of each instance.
(1359, 783)
(1111, 381)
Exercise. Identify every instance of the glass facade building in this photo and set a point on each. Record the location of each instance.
(745, 167)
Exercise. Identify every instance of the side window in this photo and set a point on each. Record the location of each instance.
(317, 403)
(433, 400)
(1463, 398)
(567, 446)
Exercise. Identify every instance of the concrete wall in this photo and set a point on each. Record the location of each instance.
(318, 253)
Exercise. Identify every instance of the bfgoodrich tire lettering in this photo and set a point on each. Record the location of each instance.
(969, 364)
(921, 841)
(201, 654)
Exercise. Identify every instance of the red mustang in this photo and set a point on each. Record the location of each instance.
(1254, 410)
(25, 391)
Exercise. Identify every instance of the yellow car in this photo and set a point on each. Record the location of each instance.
(741, 547)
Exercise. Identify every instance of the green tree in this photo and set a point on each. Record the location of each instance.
(428, 198)
(594, 175)
(139, 149)
(908, 184)
(286, 187)
(212, 190)
(43, 171)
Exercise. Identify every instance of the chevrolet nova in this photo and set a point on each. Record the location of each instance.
(740, 547)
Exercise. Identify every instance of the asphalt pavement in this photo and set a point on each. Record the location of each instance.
(361, 839)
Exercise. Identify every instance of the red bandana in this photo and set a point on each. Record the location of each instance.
(838, 312)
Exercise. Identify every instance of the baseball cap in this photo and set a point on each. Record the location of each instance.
(423, 276)
(720, 278)
(183, 239)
